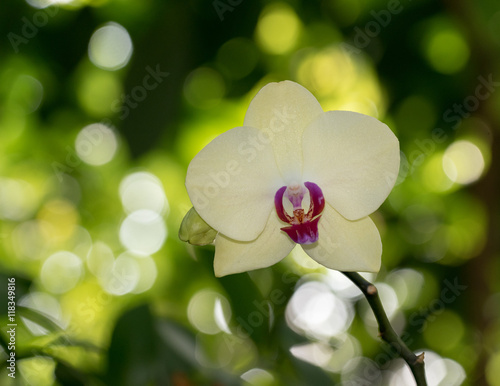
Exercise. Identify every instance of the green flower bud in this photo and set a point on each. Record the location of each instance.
(195, 230)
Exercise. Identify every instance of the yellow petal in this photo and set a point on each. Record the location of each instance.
(232, 184)
(282, 111)
(353, 158)
(269, 248)
(346, 245)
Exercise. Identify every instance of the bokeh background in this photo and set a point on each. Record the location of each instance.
(104, 103)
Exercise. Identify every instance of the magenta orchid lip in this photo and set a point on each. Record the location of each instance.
(303, 227)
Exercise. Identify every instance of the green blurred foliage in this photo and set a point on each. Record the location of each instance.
(104, 103)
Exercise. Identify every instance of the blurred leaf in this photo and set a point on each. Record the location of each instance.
(39, 318)
(182, 348)
(180, 345)
(136, 355)
(146, 351)
(64, 340)
(3, 343)
(251, 310)
(69, 376)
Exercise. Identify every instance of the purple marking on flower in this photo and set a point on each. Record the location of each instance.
(304, 226)
(278, 203)
(317, 199)
(304, 233)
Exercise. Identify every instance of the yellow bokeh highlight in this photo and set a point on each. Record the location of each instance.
(92, 311)
(463, 162)
(339, 81)
(433, 176)
(445, 331)
(18, 199)
(37, 370)
(447, 51)
(493, 370)
(466, 237)
(61, 217)
(99, 92)
(278, 29)
(326, 72)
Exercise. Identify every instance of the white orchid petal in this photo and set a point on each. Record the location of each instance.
(354, 159)
(346, 245)
(269, 248)
(231, 187)
(282, 111)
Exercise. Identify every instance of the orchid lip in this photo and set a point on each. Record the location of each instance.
(303, 227)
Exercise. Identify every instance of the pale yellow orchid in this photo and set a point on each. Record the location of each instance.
(294, 174)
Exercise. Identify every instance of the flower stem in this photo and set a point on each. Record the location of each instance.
(387, 333)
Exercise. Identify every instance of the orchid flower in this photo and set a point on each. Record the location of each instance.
(294, 174)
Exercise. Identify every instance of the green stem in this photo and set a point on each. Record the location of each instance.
(387, 333)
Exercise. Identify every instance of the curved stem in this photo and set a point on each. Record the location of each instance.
(387, 333)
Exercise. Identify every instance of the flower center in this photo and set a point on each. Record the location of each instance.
(303, 227)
